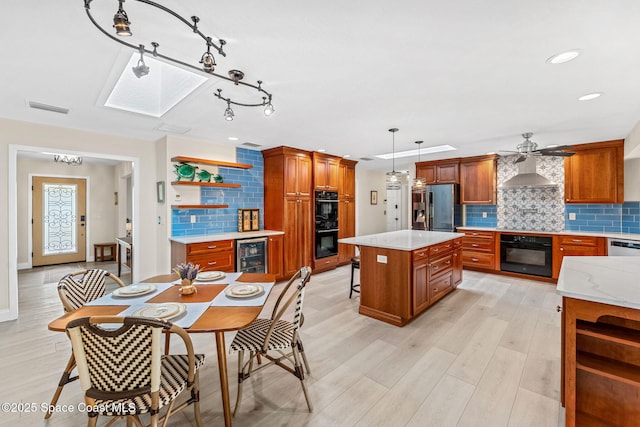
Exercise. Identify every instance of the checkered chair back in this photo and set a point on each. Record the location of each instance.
(118, 363)
(78, 288)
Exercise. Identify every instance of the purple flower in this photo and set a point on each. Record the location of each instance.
(187, 270)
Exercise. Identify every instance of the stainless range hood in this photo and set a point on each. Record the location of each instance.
(527, 176)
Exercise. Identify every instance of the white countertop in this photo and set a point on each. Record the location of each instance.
(610, 280)
(403, 240)
(224, 236)
(624, 236)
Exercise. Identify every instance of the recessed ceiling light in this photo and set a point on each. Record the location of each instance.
(346, 156)
(321, 150)
(491, 152)
(409, 153)
(232, 138)
(590, 96)
(562, 57)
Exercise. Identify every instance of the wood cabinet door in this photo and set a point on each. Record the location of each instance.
(333, 174)
(594, 175)
(457, 267)
(347, 181)
(274, 261)
(346, 228)
(428, 173)
(320, 174)
(298, 245)
(478, 182)
(447, 174)
(304, 175)
(420, 285)
(305, 223)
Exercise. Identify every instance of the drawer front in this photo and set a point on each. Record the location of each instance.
(578, 240)
(440, 265)
(457, 243)
(441, 248)
(421, 254)
(209, 247)
(439, 287)
(478, 234)
(222, 261)
(478, 259)
(481, 245)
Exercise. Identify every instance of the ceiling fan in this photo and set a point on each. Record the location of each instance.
(529, 148)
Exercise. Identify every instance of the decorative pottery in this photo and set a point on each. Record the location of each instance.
(204, 176)
(188, 287)
(186, 171)
(218, 178)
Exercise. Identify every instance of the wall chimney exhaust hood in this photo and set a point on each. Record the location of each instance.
(527, 177)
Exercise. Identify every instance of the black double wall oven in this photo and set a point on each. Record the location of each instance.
(326, 213)
(526, 254)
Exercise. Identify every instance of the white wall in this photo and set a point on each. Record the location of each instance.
(102, 212)
(17, 134)
(370, 219)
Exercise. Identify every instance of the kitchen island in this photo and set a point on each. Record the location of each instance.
(600, 340)
(402, 273)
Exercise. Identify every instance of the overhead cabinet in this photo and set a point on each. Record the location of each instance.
(326, 173)
(439, 172)
(478, 180)
(595, 173)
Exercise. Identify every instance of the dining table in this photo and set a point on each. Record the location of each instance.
(216, 318)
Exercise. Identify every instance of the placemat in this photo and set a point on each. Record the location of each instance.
(194, 311)
(222, 300)
(206, 293)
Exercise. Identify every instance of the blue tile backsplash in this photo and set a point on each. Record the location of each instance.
(624, 218)
(250, 195)
(475, 219)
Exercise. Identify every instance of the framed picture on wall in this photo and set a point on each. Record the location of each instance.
(374, 197)
(160, 191)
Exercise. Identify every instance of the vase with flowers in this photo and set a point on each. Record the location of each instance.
(187, 272)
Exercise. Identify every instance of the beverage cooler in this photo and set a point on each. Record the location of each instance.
(251, 255)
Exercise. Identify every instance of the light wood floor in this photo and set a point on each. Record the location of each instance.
(487, 355)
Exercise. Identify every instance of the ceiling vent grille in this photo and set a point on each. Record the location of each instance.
(47, 107)
(367, 159)
(251, 144)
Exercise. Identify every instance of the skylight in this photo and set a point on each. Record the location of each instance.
(157, 92)
(409, 153)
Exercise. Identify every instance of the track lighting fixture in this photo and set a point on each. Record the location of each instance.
(141, 69)
(208, 61)
(228, 113)
(121, 21)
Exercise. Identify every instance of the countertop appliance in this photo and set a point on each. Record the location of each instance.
(526, 254)
(326, 233)
(251, 255)
(434, 208)
(620, 247)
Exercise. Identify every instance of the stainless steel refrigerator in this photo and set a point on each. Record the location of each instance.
(435, 208)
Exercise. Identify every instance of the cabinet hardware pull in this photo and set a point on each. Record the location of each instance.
(474, 234)
(448, 262)
(558, 308)
(577, 240)
(474, 259)
(475, 245)
(562, 249)
(211, 247)
(435, 267)
(212, 263)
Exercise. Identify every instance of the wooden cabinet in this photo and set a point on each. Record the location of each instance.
(275, 263)
(217, 255)
(347, 181)
(565, 245)
(595, 174)
(439, 172)
(326, 174)
(457, 266)
(420, 280)
(434, 268)
(346, 228)
(479, 250)
(601, 363)
(287, 203)
(478, 180)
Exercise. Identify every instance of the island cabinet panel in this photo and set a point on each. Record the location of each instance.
(456, 276)
(479, 250)
(217, 255)
(595, 173)
(275, 263)
(478, 180)
(600, 363)
(420, 282)
(576, 246)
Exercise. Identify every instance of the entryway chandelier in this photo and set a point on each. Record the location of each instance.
(207, 63)
(394, 178)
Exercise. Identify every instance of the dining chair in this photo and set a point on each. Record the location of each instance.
(75, 290)
(124, 373)
(276, 339)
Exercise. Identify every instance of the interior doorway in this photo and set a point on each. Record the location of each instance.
(59, 220)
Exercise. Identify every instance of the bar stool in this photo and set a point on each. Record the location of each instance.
(355, 263)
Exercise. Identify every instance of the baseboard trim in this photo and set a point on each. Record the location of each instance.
(7, 315)
(24, 266)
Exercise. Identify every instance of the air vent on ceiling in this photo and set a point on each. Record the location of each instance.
(366, 159)
(251, 144)
(47, 107)
(163, 127)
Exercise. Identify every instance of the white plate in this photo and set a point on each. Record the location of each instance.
(209, 275)
(134, 290)
(244, 291)
(163, 311)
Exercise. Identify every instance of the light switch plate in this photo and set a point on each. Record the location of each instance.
(193, 219)
(484, 214)
(382, 259)
(572, 216)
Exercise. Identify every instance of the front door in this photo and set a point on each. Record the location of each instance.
(59, 216)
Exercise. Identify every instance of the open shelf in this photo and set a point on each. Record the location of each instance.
(199, 206)
(609, 368)
(183, 159)
(206, 184)
(610, 333)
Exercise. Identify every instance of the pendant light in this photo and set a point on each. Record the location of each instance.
(394, 179)
(419, 183)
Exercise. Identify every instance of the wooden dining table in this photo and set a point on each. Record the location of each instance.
(215, 319)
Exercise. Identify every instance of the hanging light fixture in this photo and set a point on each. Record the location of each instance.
(394, 178)
(141, 69)
(121, 21)
(70, 159)
(206, 62)
(419, 182)
(228, 113)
